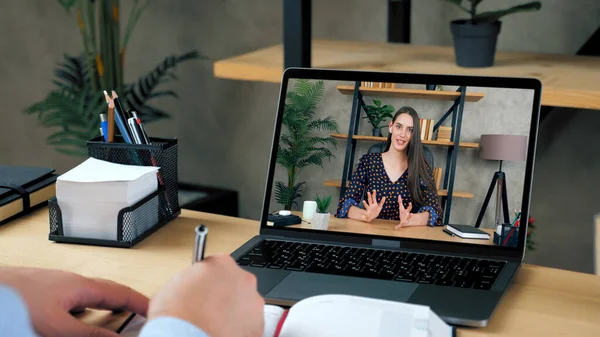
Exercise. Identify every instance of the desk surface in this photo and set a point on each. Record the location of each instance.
(386, 228)
(541, 301)
(567, 80)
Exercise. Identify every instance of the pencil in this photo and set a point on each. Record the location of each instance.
(111, 121)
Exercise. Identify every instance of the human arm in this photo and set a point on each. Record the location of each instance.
(51, 296)
(214, 295)
(431, 203)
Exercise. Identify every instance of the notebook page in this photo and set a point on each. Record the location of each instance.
(272, 315)
(350, 316)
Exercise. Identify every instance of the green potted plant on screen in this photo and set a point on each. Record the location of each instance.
(321, 218)
(299, 145)
(475, 38)
(376, 114)
(74, 105)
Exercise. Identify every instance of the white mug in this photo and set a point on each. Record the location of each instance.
(309, 209)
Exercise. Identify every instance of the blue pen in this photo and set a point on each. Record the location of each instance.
(120, 121)
(104, 125)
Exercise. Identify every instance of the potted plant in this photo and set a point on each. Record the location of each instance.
(376, 114)
(321, 218)
(299, 145)
(74, 105)
(475, 38)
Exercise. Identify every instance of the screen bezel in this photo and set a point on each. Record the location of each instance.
(407, 78)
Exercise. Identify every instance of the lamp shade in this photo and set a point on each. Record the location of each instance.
(503, 147)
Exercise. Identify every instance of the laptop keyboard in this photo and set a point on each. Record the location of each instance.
(373, 263)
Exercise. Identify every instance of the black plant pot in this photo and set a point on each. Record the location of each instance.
(377, 132)
(474, 44)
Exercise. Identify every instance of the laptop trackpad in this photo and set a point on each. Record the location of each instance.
(298, 286)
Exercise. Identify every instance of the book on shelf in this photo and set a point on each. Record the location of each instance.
(366, 84)
(444, 133)
(437, 177)
(426, 126)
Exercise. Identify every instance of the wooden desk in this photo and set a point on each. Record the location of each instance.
(541, 301)
(386, 227)
(568, 81)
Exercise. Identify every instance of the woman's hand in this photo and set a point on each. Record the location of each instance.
(405, 213)
(372, 208)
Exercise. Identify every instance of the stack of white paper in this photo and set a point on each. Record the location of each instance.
(91, 195)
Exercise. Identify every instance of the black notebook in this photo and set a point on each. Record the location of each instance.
(467, 232)
(22, 188)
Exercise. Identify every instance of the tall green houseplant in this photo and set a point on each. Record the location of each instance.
(299, 145)
(75, 104)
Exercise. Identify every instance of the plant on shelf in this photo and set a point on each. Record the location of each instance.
(299, 146)
(76, 102)
(376, 114)
(321, 218)
(475, 38)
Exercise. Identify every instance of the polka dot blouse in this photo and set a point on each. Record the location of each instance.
(370, 175)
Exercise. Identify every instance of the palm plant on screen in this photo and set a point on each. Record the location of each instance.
(75, 103)
(299, 145)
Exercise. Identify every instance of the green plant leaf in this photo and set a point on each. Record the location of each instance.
(492, 16)
(67, 4)
(458, 3)
(137, 95)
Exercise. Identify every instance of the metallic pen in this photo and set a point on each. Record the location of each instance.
(199, 243)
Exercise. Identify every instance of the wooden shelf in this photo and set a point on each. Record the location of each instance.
(425, 142)
(411, 93)
(568, 80)
(444, 193)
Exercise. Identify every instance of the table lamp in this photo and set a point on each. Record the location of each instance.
(500, 147)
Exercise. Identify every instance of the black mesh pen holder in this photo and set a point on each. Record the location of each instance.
(164, 205)
(133, 224)
(160, 152)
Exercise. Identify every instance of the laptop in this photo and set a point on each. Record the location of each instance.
(331, 139)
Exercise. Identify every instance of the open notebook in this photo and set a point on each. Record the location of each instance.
(344, 315)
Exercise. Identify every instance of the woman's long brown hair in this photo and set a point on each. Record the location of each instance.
(418, 168)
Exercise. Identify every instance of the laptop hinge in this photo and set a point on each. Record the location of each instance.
(385, 243)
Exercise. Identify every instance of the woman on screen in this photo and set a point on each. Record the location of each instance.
(396, 184)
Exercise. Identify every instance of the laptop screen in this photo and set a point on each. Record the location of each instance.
(441, 162)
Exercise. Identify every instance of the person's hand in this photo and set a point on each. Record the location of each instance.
(372, 208)
(51, 295)
(216, 295)
(405, 213)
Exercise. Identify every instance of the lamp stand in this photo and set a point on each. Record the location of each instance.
(501, 199)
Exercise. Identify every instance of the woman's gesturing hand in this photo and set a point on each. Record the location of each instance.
(372, 208)
(404, 212)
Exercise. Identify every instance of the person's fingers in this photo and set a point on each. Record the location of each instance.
(369, 197)
(400, 202)
(375, 197)
(399, 225)
(106, 294)
(71, 326)
(366, 205)
(409, 207)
